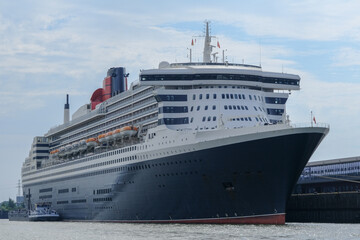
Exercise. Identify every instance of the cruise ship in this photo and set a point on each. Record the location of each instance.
(195, 142)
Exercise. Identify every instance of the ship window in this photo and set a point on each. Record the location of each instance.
(207, 96)
(230, 107)
(206, 107)
(191, 120)
(272, 111)
(250, 97)
(194, 96)
(231, 96)
(214, 96)
(234, 107)
(255, 108)
(243, 96)
(275, 100)
(246, 108)
(214, 118)
(227, 96)
(256, 119)
(223, 96)
(203, 119)
(239, 96)
(214, 107)
(238, 107)
(192, 108)
(225, 107)
(255, 98)
(209, 119)
(173, 109)
(242, 119)
(200, 97)
(198, 108)
(236, 96)
(242, 107)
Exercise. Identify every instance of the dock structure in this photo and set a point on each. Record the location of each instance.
(327, 191)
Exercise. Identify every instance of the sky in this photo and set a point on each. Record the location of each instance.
(51, 48)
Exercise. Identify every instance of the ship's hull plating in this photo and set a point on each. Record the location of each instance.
(244, 182)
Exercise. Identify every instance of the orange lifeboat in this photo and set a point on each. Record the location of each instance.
(116, 133)
(109, 136)
(101, 138)
(128, 131)
(91, 142)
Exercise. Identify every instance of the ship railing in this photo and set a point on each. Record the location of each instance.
(302, 125)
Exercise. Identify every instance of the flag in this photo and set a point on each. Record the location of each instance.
(314, 119)
(192, 42)
(218, 44)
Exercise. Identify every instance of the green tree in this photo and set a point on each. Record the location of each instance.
(11, 204)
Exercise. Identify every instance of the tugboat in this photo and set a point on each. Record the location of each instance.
(43, 212)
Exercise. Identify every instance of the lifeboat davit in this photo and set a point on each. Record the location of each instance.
(128, 131)
(116, 133)
(82, 145)
(101, 138)
(91, 142)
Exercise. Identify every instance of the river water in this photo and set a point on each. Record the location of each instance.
(98, 231)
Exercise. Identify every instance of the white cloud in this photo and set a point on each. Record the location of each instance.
(335, 103)
(52, 48)
(346, 56)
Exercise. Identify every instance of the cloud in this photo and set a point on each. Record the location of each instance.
(346, 56)
(335, 103)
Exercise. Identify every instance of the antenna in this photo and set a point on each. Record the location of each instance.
(260, 50)
(207, 43)
(19, 187)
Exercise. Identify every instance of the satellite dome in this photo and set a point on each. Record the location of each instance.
(164, 64)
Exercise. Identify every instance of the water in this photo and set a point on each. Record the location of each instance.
(109, 231)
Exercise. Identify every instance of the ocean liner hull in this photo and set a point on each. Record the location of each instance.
(238, 179)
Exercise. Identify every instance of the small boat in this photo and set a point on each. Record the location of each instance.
(109, 136)
(68, 149)
(91, 142)
(74, 147)
(82, 145)
(101, 138)
(62, 151)
(116, 133)
(128, 131)
(43, 212)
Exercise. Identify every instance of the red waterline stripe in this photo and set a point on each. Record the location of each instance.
(278, 219)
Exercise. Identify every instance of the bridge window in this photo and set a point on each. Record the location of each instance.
(173, 121)
(272, 111)
(161, 98)
(273, 100)
(172, 109)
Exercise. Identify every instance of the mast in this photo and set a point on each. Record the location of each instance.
(207, 45)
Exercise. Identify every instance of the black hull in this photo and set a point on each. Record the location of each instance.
(245, 182)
